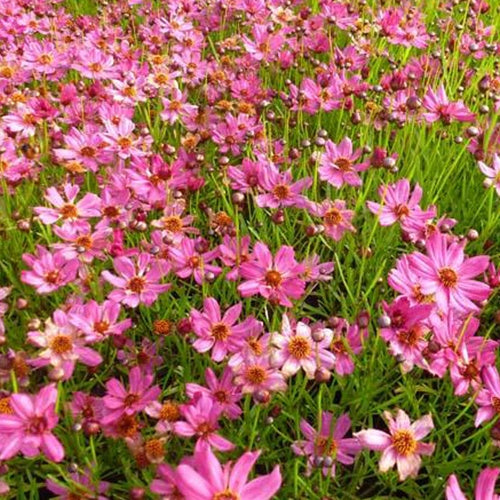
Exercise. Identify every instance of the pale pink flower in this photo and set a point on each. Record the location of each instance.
(402, 445)
(492, 173)
(336, 219)
(484, 490)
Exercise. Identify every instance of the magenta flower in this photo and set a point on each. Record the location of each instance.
(447, 274)
(233, 252)
(49, 271)
(439, 107)
(347, 341)
(280, 190)
(488, 398)
(223, 391)
(120, 401)
(328, 445)
(81, 485)
(66, 210)
(201, 419)
(203, 478)
(138, 281)
(217, 332)
(276, 279)
(296, 349)
(338, 164)
(484, 490)
(398, 204)
(492, 174)
(335, 217)
(402, 446)
(28, 428)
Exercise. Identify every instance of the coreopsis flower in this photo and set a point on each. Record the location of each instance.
(81, 486)
(280, 190)
(27, 427)
(447, 274)
(398, 203)
(201, 419)
(492, 173)
(167, 413)
(215, 332)
(71, 213)
(121, 140)
(488, 398)
(336, 219)
(4, 293)
(328, 444)
(439, 107)
(347, 341)
(276, 279)
(484, 490)
(339, 165)
(138, 280)
(165, 483)
(204, 478)
(62, 345)
(233, 252)
(223, 391)
(120, 401)
(402, 445)
(49, 271)
(296, 349)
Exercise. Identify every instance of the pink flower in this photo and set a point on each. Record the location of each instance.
(347, 341)
(233, 252)
(69, 212)
(398, 204)
(488, 398)
(281, 191)
(203, 478)
(296, 349)
(120, 401)
(223, 391)
(335, 217)
(49, 271)
(402, 445)
(188, 261)
(328, 445)
(493, 173)
(485, 486)
(338, 164)
(85, 486)
(63, 345)
(276, 279)
(255, 374)
(138, 281)
(201, 416)
(447, 274)
(28, 428)
(439, 107)
(217, 332)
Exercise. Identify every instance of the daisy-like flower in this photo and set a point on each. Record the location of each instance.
(439, 107)
(402, 445)
(119, 401)
(296, 349)
(447, 274)
(203, 478)
(28, 426)
(339, 166)
(138, 282)
(217, 332)
(398, 203)
(484, 490)
(81, 486)
(488, 398)
(63, 345)
(328, 445)
(276, 279)
(492, 173)
(66, 210)
(335, 217)
(49, 271)
(201, 419)
(280, 190)
(256, 374)
(223, 391)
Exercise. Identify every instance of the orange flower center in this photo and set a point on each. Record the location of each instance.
(226, 495)
(401, 211)
(173, 223)
(130, 399)
(448, 277)
(170, 411)
(273, 278)
(61, 344)
(84, 241)
(255, 374)
(124, 142)
(5, 406)
(155, 449)
(343, 164)
(404, 442)
(52, 277)
(162, 327)
(325, 446)
(220, 331)
(88, 151)
(255, 346)
(101, 327)
(299, 347)
(281, 191)
(333, 217)
(69, 211)
(137, 284)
